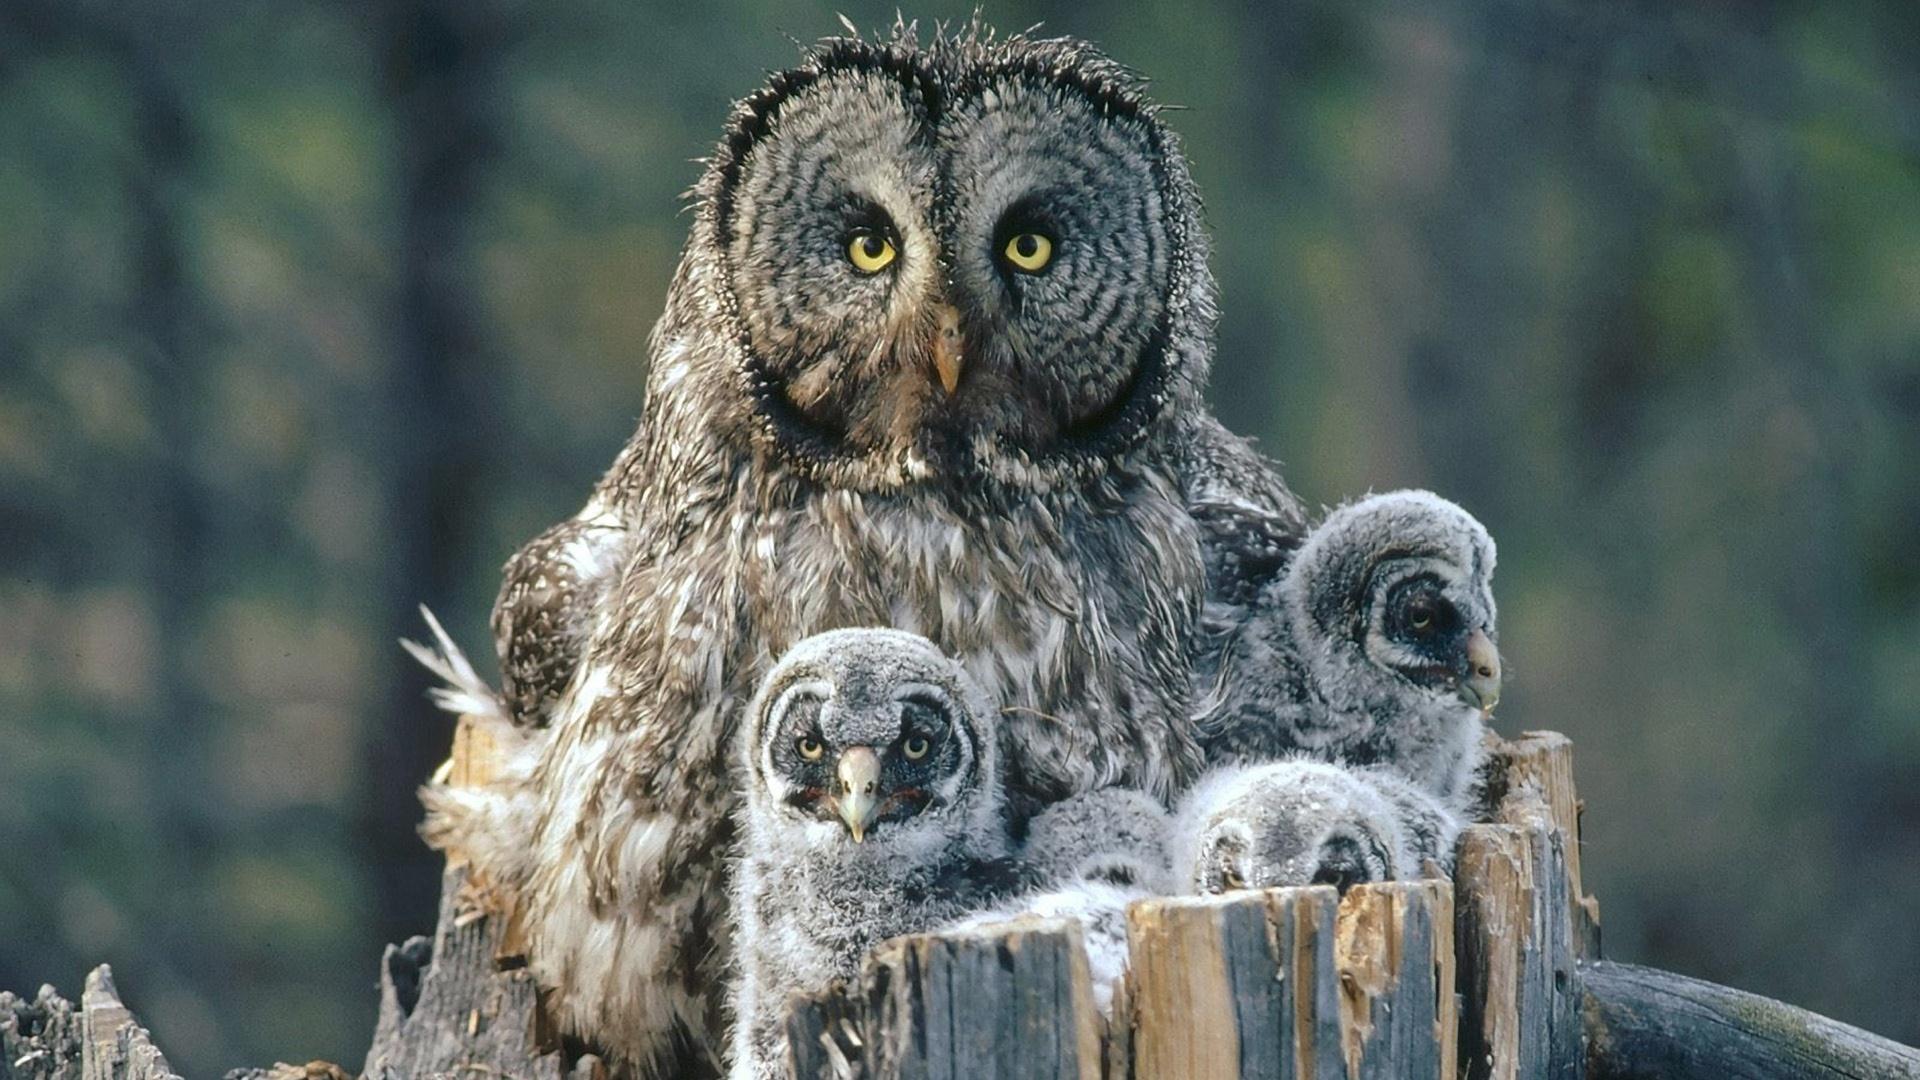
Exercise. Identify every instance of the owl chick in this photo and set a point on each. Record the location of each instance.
(873, 808)
(1095, 853)
(1379, 643)
(1305, 822)
(1113, 835)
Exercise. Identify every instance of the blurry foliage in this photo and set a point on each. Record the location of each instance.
(313, 311)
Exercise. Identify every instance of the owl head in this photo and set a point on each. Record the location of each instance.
(873, 743)
(1293, 822)
(974, 258)
(1391, 597)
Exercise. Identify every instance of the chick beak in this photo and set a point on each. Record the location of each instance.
(1480, 686)
(859, 775)
(949, 347)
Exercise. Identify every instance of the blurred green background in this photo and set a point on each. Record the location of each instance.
(313, 311)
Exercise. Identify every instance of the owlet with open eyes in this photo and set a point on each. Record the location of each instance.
(873, 808)
(1378, 645)
(932, 359)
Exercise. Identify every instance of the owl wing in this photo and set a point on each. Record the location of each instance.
(1221, 469)
(1249, 524)
(544, 613)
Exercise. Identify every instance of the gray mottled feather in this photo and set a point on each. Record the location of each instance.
(1113, 835)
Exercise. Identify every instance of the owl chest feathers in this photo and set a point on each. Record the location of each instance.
(1076, 612)
(1074, 609)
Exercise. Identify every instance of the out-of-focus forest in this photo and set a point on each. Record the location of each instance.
(313, 311)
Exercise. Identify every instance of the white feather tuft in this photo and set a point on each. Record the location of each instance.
(465, 692)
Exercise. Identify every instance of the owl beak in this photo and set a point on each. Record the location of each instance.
(857, 799)
(949, 347)
(1480, 687)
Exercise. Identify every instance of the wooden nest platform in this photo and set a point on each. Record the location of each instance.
(1495, 975)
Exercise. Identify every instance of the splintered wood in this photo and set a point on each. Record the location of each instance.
(1523, 921)
(475, 761)
(1012, 1001)
(463, 1001)
(1395, 955)
(446, 1008)
(1533, 777)
(1520, 1005)
(1295, 983)
(113, 1045)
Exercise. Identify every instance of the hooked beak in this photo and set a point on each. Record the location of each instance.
(1480, 687)
(859, 775)
(948, 348)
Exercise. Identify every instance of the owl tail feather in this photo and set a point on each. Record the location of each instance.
(486, 825)
(465, 692)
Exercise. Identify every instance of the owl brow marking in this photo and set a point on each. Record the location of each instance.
(1083, 444)
(777, 712)
(1362, 617)
(931, 692)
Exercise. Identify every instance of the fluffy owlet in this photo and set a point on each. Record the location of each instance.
(932, 359)
(873, 809)
(1379, 646)
(1094, 854)
(1115, 835)
(1304, 822)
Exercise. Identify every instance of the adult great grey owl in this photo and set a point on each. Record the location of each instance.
(1380, 640)
(873, 808)
(932, 359)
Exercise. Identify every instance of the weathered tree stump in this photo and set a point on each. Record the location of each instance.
(462, 1004)
(1013, 1000)
(1522, 918)
(116, 1047)
(1520, 1007)
(39, 1039)
(1295, 983)
(1239, 985)
(47, 1039)
(446, 1010)
(1289, 983)
(1532, 776)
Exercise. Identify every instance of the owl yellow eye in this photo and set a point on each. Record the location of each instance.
(809, 747)
(1233, 880)
(915, 747)
(869, 252)
(1420, 617)
(1029, 252)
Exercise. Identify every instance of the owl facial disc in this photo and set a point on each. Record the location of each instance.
(957, 261)
(870, 737)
